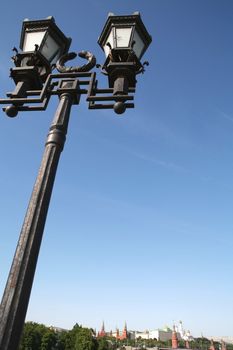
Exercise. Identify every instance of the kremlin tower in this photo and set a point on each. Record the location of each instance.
(118, 335)
(174, 339)
(102, 333)
(124, 333)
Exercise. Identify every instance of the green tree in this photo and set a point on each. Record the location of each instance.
(103, 343)
(31, 337)
(61, 340)
(84, 339)
(69, 341)
(48, 340)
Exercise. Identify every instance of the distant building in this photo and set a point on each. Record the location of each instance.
(117, 334)
(185, 335)
(163, 334)
(225, 339)
(58, 329)
(159, 334)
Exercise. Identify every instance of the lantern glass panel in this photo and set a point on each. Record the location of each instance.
(31, 39)
(109, 41)
(123, 37)
(138, 45)
(50, 49)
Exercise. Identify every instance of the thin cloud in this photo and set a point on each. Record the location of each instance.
(159, 162)
(175, 167)
(226, 115)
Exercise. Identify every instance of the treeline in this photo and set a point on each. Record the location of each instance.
(39, 337)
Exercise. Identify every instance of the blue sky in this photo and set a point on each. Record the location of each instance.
(140, 223)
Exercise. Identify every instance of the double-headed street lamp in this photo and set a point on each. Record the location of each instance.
(44, 47)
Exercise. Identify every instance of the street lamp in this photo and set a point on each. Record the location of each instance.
(44, 47)
(42, 43)
(124, 40)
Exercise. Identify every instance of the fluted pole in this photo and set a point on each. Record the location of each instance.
(16, 296)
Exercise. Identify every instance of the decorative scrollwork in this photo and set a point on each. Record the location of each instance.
(60, 65)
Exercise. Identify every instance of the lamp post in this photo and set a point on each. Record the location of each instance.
(43, 46)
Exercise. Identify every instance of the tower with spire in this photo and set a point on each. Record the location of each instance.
(117, 333)
(120, 335)
(174, 338)
(124, 333)
(102, 333)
